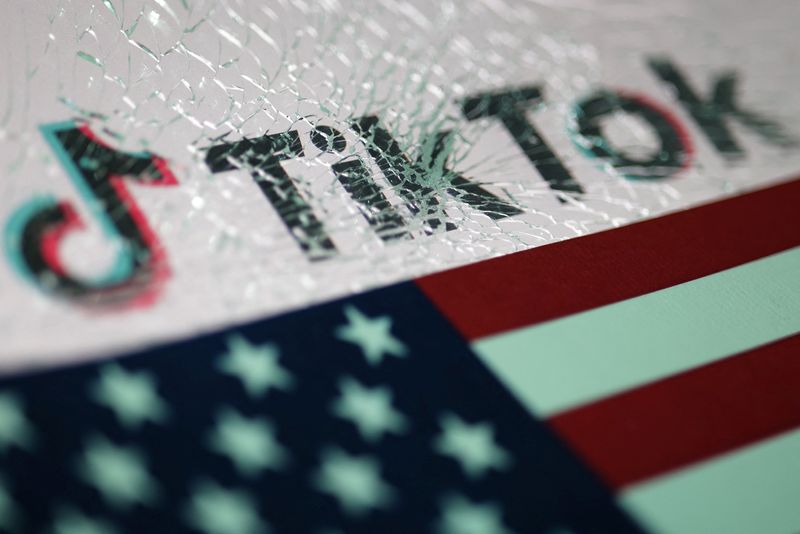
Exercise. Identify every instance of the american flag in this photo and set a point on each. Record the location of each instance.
(365, 415)
(643, 378)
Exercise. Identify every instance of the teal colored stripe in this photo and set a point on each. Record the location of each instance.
(584, 357)
(754, 490)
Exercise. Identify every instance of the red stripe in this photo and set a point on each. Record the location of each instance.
(579, 274)
(688, 417)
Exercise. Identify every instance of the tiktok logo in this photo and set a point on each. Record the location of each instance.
(421, 183)
(35, 231)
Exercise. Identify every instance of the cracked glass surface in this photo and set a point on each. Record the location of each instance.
(320, 149)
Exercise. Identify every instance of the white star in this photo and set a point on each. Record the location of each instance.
(472, 445)
(256, 366)
(460, 516)
(14, 426)
(217, 510)
(71, 521)
(249, 443)
(354, 481)
(8, 509)
(130, 395)
(372, 335)
(118, 473)
(370, 409)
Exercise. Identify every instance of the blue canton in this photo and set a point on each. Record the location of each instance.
(369, 414)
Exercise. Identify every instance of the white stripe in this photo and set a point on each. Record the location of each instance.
(753, 490)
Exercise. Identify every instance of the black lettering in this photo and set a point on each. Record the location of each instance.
(357, 180)
(710, 114)
(262, 157)
(409, 177)
(510, 107)
(674, 150)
